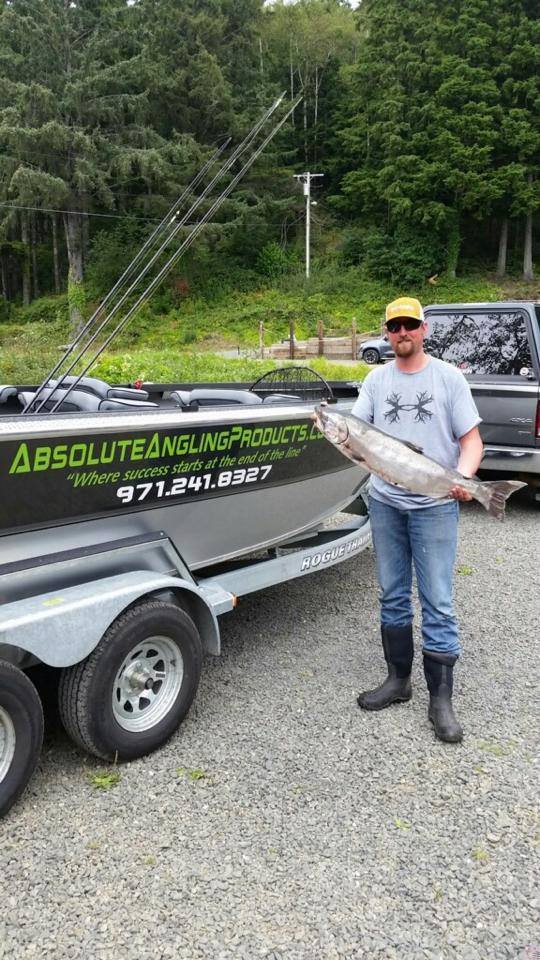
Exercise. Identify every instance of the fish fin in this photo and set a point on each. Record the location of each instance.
(413, 446)
(494, 494)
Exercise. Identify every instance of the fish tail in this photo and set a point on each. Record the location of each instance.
(493, 495)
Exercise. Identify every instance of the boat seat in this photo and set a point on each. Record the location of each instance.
(24, 397)
(216, 397)
(102, 389)
(281, 398)
(128, 393)
(77, 400)
(7, 391)
(82, 401)
(180, 397)
(121, 403)
(212, 397)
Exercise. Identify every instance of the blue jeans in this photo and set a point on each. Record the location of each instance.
(428, 538)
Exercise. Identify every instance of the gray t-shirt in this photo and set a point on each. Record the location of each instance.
(432, 408)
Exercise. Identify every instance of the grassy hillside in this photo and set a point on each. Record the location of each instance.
(182, 343)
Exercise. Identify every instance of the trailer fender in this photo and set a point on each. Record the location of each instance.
(200, 608)
(63, 627)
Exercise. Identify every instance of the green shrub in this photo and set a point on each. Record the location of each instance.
(163, 300)
(5, 310)
(18, 367)
(142, 325)
(215, 284)
(110, 253)
(188, 335)
(206, 367)
(273, 260)
(353, 246)
(43, 310)
(153, 365)
(9, 332)
(32, 339)
(407, 256)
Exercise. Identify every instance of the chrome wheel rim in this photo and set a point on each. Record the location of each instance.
(7, 742)
(147, 684)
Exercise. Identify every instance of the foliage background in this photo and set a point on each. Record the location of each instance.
(423, 117)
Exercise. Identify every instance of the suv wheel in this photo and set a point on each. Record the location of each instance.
(370, 355)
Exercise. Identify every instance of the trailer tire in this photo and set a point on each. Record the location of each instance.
(21, 733)
(130, 695)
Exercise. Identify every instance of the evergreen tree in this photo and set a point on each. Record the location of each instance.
(210, 75)
(74, 130)
(305, 43)
(424, 116)
(518, 149)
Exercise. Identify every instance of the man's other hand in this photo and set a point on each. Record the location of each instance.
(459, 493)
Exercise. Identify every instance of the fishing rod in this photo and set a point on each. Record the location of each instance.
(173, 212)
(175, 256)
(170, 263)
(170, 220)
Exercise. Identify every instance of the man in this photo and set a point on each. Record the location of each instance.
(426, 401)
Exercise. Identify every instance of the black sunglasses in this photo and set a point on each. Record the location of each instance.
(409, 323)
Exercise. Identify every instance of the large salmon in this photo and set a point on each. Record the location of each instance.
(404, 464)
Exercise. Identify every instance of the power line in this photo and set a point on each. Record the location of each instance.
(80, 213)
(117, 216)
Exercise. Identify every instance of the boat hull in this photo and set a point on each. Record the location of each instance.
(218, 483)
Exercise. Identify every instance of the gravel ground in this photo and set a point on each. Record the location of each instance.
(283, 822)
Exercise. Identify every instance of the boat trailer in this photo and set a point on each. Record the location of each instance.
(134, 602)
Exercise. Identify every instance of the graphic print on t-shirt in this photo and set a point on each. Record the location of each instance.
(423, 415)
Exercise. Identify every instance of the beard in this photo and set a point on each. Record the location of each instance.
(405, 348)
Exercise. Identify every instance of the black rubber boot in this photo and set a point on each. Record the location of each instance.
(439, 674)
(398, 652)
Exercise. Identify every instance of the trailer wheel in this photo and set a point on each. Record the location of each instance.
(21, 733)
(129, 696)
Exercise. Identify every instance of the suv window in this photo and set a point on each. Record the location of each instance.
(480, 342)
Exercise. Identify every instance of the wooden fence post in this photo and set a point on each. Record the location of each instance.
(261, 338)
(320, 334)
(291, 339)
(353, 338)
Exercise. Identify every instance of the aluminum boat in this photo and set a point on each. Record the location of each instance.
(222, 471)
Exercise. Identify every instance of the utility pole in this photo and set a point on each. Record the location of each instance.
(305, 179)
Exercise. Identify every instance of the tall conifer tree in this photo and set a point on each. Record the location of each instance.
(426, 119)
(74, 113)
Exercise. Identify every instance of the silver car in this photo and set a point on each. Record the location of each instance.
(375, 351)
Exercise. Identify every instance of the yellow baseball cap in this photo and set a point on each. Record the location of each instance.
(405, 307)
